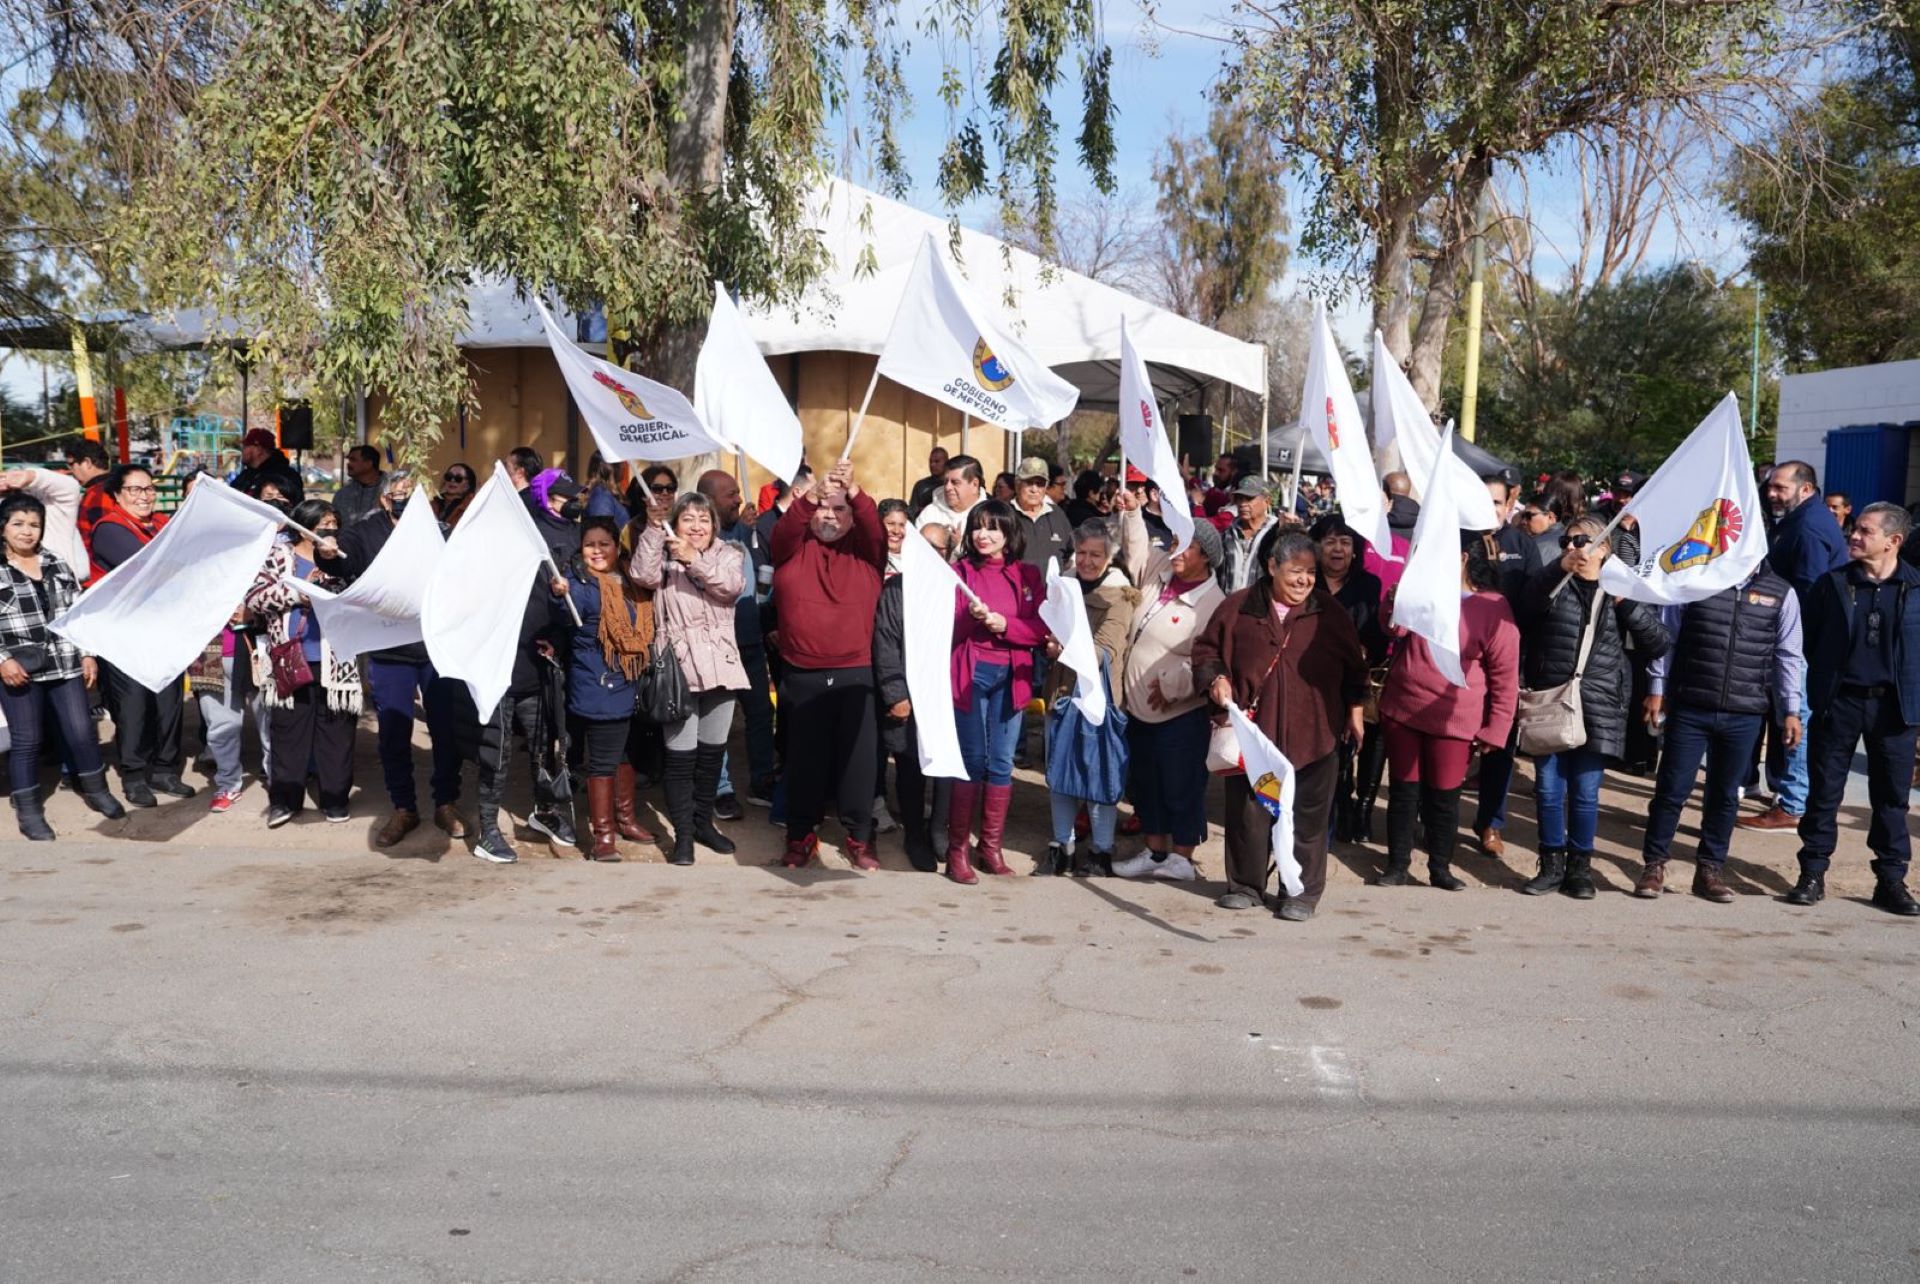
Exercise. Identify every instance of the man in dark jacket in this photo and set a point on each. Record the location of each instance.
(1736, 656)
(1805, 546)
(394, 676)
(928, 488)
(1049, 534)
(262, 460)
(1863, 681)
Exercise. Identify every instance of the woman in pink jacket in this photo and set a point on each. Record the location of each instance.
(1431, 726)
(993, 643)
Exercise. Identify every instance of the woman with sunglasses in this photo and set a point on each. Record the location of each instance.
(457, 486)
(1567, 785)
(146, 724)
(657, 483)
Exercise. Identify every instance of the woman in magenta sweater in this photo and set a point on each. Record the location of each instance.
(1431, 725)
(993, 643)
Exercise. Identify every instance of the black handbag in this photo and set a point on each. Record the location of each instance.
(661, 696)
(30, 656)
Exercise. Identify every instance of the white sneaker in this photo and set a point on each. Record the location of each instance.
(1140, 866)
(883, 821)
(1175, 867)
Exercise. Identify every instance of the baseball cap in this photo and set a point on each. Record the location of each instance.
(1630, 483)
(1135, 477)
(259, 437)
(1250, 488)
(1033, 467)
(564, 486)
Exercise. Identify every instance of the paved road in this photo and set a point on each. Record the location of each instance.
(227, 1063)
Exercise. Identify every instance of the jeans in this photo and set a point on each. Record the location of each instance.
(393, 683)
(1103, 815)
(1791, 785)
(1568, 822)
(1496, 780)
(990, 727)
(1851, 716)
(1726, 741)
(224, 719)
(29, 709)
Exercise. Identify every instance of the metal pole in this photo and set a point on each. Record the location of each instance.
(1476, 293)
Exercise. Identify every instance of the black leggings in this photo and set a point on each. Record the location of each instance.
(828, 714)
(605, 745)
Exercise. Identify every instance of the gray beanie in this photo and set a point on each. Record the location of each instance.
(1206, 538)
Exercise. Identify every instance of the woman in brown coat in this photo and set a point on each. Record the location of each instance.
(1291, 659)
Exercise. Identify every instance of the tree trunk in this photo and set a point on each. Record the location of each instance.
(1392, 263)
(1443, 284)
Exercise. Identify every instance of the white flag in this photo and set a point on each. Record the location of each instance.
(1398, 415)
(631, 417)
(1065, 615)
(737, 397)
(154, 614)
(945, 347)
(381, 609)
(1427, 602)
(1143, 443)
(1699, 514)
(1332, 415)
(927, 586)
(1271, 777)
(471, 612)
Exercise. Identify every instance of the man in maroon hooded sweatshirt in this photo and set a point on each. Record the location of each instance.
(829, 550)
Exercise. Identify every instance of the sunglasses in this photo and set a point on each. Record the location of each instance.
(451, 478)
(661, 490)
(1575, 541)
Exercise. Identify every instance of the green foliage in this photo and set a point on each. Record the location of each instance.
(1619, 381)
(1833, 212)
(1224, 211)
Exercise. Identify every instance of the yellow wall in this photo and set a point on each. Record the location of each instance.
(523, 401)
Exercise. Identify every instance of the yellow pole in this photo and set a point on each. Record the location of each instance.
(1470, 378)
(83, 385)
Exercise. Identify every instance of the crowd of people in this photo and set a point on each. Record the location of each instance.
(680, 607)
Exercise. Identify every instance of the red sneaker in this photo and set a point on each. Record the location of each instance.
(799, 851)
(224, 800)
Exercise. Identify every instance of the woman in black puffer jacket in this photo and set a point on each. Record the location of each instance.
(1554, 627)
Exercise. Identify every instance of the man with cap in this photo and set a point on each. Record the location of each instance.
(1240, 564)
(262, 460)
(1147, 499)
(1049, 535)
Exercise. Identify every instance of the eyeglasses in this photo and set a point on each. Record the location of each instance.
(138, 490)
(326, 530)
(1575, 541)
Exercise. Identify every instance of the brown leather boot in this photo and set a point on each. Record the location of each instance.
(398, 826)
(1773, 818)
(993, 828)
(600, 819)
(966, 795)
(1653, 881)
(1707, 885)
(626, 821)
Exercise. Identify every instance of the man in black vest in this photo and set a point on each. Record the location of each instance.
(1735, 655)
(1863, 681)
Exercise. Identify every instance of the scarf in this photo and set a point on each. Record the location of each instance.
(626, 635)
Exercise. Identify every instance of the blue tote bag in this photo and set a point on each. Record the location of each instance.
(1085, 761)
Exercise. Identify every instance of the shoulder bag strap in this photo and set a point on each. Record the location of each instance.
(1586, 639)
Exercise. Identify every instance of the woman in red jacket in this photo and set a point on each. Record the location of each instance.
(1431, 725)
(993, 642)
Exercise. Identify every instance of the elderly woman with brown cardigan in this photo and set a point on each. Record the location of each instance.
(1291, 659)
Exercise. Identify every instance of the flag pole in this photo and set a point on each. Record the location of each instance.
(861, 417)
(1603, 534)
(1299, 458)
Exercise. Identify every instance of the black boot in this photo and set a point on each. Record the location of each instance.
(677, 782)
(1058, 861)
(1579, 880)
(1440, 808)
(94, 792)
(1403, 822)
(1810, 890)
(920, 853)
(1553, 872)
(32, 816)
(1345, 815)
(1369, 765)
(706, 786)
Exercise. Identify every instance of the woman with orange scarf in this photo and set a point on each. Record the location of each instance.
(608, 653)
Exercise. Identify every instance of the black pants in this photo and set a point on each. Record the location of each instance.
(310, 732)
(1249, 829)
(1852, 715)
(516, 714)
(910, 786)
(146, 725)
(832, 739)
(604, 745)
